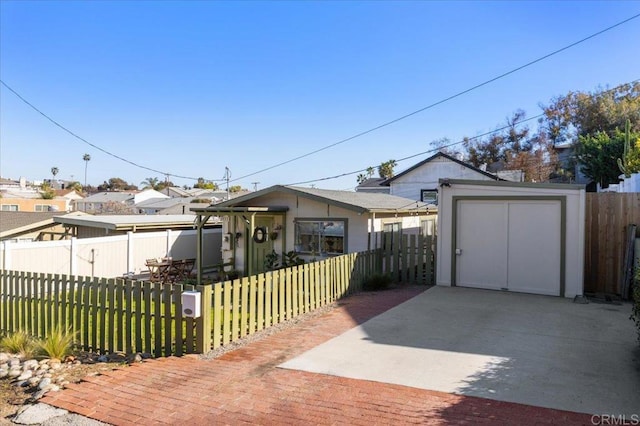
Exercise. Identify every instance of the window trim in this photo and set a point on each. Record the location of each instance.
(345, 239)
(422, 191)
(4, 208)
(47, 207)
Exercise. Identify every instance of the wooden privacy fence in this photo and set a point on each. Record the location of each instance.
(412, 261)
(607, 216)
(111, 315)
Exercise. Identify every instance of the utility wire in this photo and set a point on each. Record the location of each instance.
(454, 143)
(477, 86)
(92, 144)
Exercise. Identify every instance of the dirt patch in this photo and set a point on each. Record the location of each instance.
(13, 397)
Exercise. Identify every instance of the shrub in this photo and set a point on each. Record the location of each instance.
(19, 343)
(377, 282)
(57, 344)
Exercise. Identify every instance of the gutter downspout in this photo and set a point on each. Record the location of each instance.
(199, 248)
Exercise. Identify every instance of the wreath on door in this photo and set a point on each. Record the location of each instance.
(260, 234)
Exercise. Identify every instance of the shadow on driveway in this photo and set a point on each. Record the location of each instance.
(536, 350)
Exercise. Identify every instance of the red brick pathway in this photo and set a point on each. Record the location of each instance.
(244, 386)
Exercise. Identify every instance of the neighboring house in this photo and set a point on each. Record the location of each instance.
(374, 185)
(31, 201)
(157, 205)
(522, 237)
(72, 196)
(175, 192)
(568, 161)
(100, 226)
(8, 184)
(31, 226)
(315, 223)
(116, 202)
(420, 182)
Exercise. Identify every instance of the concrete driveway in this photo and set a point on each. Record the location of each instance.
(537, 350)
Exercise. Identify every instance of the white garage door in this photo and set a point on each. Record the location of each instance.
(509, 245)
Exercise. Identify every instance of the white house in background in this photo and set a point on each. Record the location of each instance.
(420, 182)
(315, 223)
(116, 202)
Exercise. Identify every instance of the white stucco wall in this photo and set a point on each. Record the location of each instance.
(428, 175)
(575, 223)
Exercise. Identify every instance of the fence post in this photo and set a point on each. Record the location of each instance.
(74, 257)
(130, 240)
(6, 255)
(168, 242)
(203, 324)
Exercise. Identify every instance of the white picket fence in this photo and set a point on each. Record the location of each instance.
(108, 257)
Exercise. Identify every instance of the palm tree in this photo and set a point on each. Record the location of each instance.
(86, 158)
(385, 169)
(150, 182)
(54, 172)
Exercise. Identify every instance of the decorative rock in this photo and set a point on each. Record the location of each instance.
(4, 366)
(77, 362)
(44, 383)
(31, 364)
(14, 372)
(21, 384)
(33, 381)
(134, 358)
(63, 383)
(14, 362)
(60, 379)
(3, 373)
(37, 395)
(69, 358)
(103, 358)
(44, 361)
(4, 357)
(26, 375)
(146, 355)
(55, 365)
(49, 375)
(52, 388)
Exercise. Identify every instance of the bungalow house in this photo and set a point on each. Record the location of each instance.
(314, 223)
(420, 181)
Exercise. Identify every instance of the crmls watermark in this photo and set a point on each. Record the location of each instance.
(616, 419)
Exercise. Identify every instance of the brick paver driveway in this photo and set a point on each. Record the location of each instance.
(245, 386)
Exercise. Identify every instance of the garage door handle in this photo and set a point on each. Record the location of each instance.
(458, 252)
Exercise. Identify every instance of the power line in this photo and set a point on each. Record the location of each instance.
(477, 86)
(133, 163)
(451, 144)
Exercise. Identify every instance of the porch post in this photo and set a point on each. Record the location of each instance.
(199, 248)
(249, 240)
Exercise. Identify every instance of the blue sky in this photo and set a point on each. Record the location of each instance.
(191, 87)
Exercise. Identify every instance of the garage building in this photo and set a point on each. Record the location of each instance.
(522, 237)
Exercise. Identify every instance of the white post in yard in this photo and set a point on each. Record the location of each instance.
(130, 240)
(168, 242)
(6, 255)
(74, 256)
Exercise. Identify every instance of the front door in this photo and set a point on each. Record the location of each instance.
(259, 250)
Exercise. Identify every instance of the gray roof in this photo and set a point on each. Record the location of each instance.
(182, 208)
(373, 183)
(105, 197)
(20, 222)
(163, 203)
(135, 221)
(357, 201)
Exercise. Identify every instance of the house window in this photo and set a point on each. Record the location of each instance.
(429, 196)
(9, 208)
(319, 237)
(42, 207)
